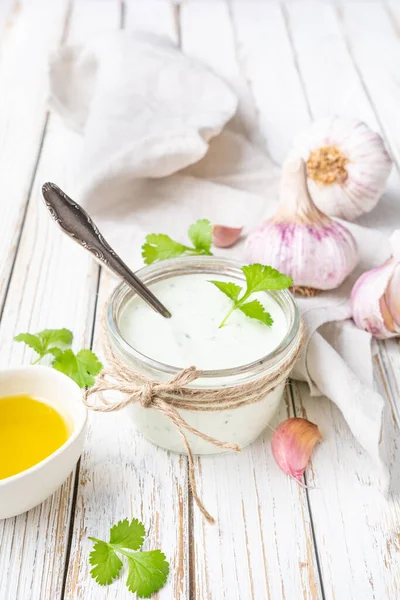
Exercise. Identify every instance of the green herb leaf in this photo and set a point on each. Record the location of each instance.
(228, 288)
(148, 571)
(81, 367)
(31, 340)
(106, 562)
(255, 310)
(200, 234)
(259, 278)
(47, 341)
(128, 534)
(159, 246)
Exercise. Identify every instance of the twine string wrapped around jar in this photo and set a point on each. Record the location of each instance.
(171, 396)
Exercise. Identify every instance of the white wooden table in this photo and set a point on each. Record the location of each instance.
(274, 540)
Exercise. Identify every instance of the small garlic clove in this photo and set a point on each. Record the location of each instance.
(347, 165)
(292, 444)
(375, 297)
(225, 237)
(300, 241)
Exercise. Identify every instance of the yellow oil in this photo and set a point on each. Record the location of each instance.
(30, 430)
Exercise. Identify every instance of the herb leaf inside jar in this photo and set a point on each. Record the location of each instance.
(259, 278)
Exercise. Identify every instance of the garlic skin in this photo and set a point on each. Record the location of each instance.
(300, 241)
(347, 166)
(375, 298)
(292, 444)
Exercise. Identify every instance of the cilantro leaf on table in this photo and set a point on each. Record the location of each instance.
(159, 246)
(147, 571)
(106, 564)
(47, 341)
(259, 278)
(128, 534)
(81, 367)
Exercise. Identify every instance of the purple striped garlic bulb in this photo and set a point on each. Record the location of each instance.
(300, 241)
(375, 298)
(347, 165)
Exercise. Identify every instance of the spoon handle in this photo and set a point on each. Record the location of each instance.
(75, 221)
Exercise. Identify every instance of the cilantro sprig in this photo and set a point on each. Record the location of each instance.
(147, 571)
(259, 278)
(81, 367)
(159, 246)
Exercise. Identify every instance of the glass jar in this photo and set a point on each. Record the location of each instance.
(239, 425)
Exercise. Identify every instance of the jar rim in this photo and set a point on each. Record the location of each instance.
(200, 264)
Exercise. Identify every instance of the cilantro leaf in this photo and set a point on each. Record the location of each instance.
(259, 278)
(255, 310)
(56, 337)
(228, 288)
(81, 367)
(46, 341)
(31, 340)
(159, 246)
(106, 562)
(200, 234)
(148, 572)
(128, 535)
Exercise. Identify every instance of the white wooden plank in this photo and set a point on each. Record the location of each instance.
(266, 60)
(31, 30)
(262, 544)
(377, 56)
(354, 525)
(121, 474)
(53, 285)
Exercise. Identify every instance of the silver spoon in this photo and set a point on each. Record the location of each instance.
(75, 221)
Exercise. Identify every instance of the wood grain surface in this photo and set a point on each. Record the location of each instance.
(289, 62)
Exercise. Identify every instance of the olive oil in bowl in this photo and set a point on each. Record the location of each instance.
(30, 430)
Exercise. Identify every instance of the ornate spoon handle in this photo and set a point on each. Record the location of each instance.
(75, 221)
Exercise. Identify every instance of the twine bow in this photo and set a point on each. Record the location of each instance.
(170, 396)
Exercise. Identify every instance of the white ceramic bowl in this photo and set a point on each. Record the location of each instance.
(25, 490)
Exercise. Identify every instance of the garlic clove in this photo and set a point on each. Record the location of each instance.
(292, 444)
(375, 297)
(347, 165)
(225, 237)
(300, 241)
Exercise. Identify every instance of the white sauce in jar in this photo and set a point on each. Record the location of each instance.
(192, 336)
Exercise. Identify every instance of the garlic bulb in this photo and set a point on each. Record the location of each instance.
(375, 298)
(300, 241)
(347, 166)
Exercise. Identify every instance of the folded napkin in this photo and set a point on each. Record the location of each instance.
(163, 144)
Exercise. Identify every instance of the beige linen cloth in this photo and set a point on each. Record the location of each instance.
(163, 143)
